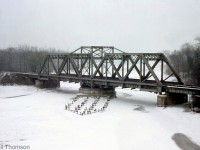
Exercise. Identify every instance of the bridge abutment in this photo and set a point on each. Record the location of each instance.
(47, 83)
(171, 99)
(9, 78)
(29, 81)
(97, 91)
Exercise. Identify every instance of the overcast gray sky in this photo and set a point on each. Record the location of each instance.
(130, 25)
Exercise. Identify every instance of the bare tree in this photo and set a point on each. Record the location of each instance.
(186, 61)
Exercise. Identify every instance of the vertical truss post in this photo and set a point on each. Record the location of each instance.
(102, 52)
(58, 65)
(78, 64)
(162, 70)
(106, 69)
(140, 69)
(69, 67)
(48, 66)
(127, 64)
(143, 69)
(122, 66)
(91, 66)
(113, 62)
(81, 64)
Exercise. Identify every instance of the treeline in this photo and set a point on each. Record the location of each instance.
(23, 58)
(186, 61)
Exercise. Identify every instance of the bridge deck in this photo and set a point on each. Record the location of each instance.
(151, 86)
(193, 90)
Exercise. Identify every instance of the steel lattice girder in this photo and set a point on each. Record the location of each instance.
(93, 62)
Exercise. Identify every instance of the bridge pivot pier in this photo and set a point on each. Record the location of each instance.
(171, 99)
(47, 83)
(97, 91)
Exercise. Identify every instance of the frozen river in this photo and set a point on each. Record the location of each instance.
(37, 118)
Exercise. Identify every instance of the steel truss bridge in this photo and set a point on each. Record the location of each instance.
(107, 66)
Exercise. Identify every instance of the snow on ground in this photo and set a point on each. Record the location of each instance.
(37, 117)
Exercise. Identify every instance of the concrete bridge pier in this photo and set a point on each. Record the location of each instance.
(195, 100)
(47, 83)
(171, 99)
(97, 91)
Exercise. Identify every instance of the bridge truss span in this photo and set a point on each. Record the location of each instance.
(107, 66)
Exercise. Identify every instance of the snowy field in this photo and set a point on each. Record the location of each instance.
(37, 117)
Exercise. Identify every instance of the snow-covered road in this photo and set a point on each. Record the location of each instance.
(37, 117)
